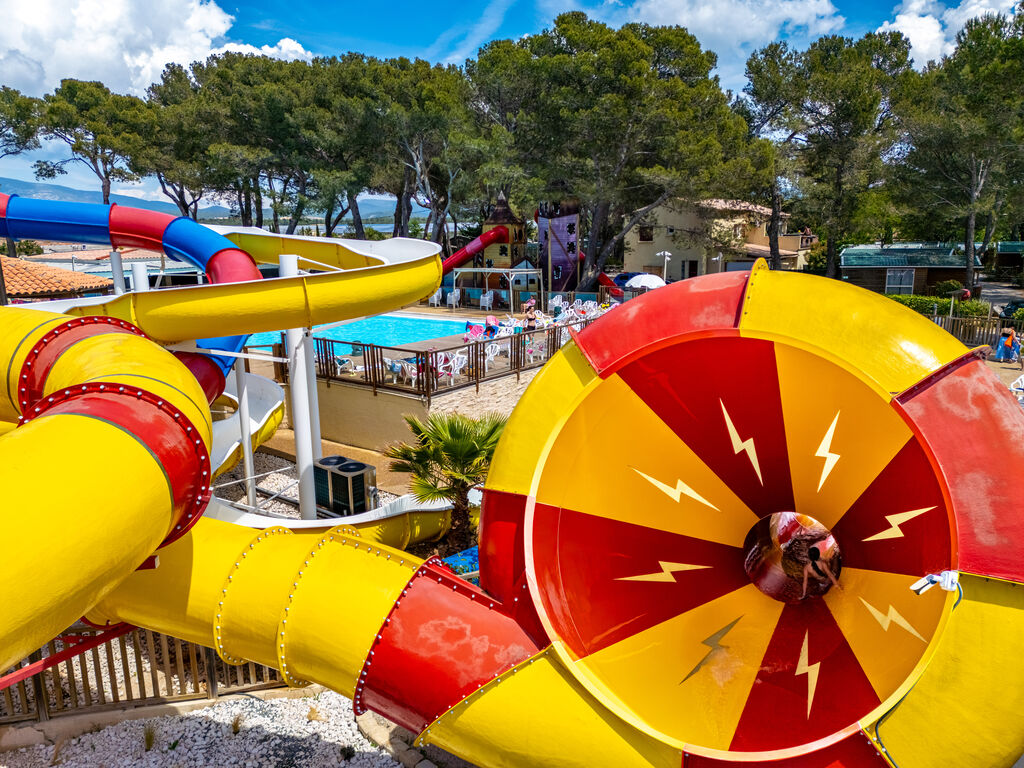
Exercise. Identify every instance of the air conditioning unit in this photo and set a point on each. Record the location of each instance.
(322, 479)
(345, 486)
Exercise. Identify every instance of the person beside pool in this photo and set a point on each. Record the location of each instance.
(531, 315)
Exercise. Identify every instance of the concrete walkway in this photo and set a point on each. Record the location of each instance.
(999, 293)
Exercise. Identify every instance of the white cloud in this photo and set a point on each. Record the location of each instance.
(491, 18)
(735, 28)
(932, 27)
(123, 43)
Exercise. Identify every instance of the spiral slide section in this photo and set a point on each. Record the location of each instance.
(640, 600)
(119, 226)
(266, 411)
(134, 416)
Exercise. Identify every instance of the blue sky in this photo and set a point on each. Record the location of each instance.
(126, 43)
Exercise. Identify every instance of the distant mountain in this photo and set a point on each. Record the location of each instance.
(71, 195)
(370, 207)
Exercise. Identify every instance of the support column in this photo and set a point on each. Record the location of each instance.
(314, 395)
(245, 432)
(140, 277)
(298, 386)
(117, 272)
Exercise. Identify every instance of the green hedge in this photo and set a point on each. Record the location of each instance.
(928, 305)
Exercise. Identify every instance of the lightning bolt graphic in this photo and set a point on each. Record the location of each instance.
(714, 642)
(824, 452)
(677, 492)
(811, 670)
(892, 617)
(895, 521)
(741, 445)
(665, 574)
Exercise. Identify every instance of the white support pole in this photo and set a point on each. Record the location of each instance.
(298, 385)
(245, 432)
(140, 277)
(117, 271)
(314, 396)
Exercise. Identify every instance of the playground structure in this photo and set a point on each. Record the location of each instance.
(615, 623)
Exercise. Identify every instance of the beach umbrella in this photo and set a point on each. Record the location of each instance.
(645, 281)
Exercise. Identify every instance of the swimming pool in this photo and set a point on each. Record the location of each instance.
(382, 330)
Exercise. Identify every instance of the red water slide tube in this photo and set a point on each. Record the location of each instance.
(457, 259)
(603, 279)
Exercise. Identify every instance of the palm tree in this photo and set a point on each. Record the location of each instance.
(451, 454)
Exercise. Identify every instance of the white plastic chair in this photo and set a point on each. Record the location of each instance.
(487, 300)
(491, 352)
(459, 362)
(534, 348)
(1017, 388)
(345, 365)
(394, 367)
(435, 298)
(454, 297)
(449, 365)
(409, 371)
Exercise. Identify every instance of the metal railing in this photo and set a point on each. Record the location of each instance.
(428, 373)
(136, 669)
(505, 300)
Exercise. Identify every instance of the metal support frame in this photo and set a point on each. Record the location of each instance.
(314, 397)
(244, 431)
(140, 276)
(298, 386)
(117, 271)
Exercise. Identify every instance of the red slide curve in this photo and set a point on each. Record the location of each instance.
(457, 259)
(603, 279)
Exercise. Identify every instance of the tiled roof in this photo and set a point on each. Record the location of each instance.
(23, 279)
(737, 206)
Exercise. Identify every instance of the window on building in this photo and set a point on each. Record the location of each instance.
(646, 234)
(670, 231)
(899, 281)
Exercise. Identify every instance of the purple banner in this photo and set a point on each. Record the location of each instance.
(558, 248)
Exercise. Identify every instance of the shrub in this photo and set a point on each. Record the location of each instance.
(450, 453)
(23, 248)
(971, 308)
(926, 305)
(149, 736)
(946, 287)
(1018, 316)
(817, 256)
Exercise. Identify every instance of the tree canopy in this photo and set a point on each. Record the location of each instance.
(844, 134)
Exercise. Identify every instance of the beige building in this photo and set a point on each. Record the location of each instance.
(710, 236)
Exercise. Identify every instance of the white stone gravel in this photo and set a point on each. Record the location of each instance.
(310, 732)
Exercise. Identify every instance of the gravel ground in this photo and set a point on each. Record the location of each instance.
(282, 475)
(314, 732)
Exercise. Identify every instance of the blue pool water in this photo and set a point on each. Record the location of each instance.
(382, 330)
